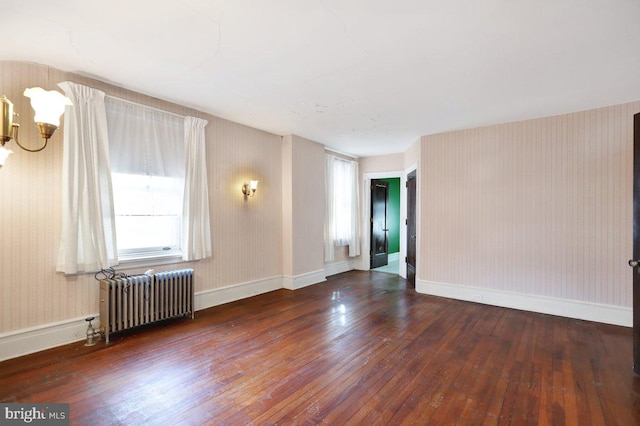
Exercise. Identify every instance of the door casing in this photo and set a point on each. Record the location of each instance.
(379, 229)
(364, 260)
(411, 224)
(636, 243)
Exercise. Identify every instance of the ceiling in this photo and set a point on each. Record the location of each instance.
(364, 77)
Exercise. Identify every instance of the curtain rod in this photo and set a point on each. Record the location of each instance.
(144, 106)
(341, 153)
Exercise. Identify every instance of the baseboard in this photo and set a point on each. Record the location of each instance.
(219, 296)
(304, 280)
(608, 314)
(338, 267)
(35, 339)
(393, 257)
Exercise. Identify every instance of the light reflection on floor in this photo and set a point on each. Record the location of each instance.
(390, 268)
(147, 391)
(338, 310)
(342, 311)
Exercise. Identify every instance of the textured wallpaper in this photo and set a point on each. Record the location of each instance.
(538, 207)
(247, 236)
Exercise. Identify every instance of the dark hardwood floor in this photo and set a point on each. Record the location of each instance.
(359, 349)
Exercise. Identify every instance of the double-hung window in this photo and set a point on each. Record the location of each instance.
(342, 213)
(147, 159)
(134, 183)
(343, 193)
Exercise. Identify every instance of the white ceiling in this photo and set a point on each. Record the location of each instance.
(365, 77)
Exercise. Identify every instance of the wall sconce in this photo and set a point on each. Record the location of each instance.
(48, 105)
(249, 189)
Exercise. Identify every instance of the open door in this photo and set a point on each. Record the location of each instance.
(635, 262)
(379, 228)
(411, 228)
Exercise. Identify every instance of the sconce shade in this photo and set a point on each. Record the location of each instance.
(249, 189)
(48, 105)
(4, 153)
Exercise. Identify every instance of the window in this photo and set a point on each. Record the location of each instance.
(155, 162)
(148, 214)
(342, 213)
(147, 156)
(343, 193)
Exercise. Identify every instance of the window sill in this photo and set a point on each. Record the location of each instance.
(142, 262)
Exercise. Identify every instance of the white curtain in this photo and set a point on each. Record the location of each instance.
(354, 214)
(342, 213)
(329, 252)
(147, 151)
(88, 228)
(196, 232)
(145, 141)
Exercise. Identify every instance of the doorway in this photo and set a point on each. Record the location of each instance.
(635, 262)
(411, 229)
(385, 225)
(396, 259)
(379, 230)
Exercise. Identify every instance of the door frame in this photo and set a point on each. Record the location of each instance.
(415, 225)
(635, 298)
(366, 215)
(372, 255)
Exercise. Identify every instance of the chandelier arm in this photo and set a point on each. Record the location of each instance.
(15, 138)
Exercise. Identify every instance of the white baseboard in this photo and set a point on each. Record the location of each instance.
(219, 296)
(334, 268)
(29, 340)
(35, 339)
(609, 314)
(303, 280)
(393, 257)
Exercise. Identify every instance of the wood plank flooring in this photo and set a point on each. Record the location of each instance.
(359, 349)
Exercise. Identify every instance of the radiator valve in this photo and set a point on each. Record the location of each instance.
(93, 335)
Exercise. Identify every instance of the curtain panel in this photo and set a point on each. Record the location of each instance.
(196, 232)
(88, 238)
(354, 214)
(145, 141)
(329, 245)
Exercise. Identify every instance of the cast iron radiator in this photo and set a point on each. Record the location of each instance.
(143, 299)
